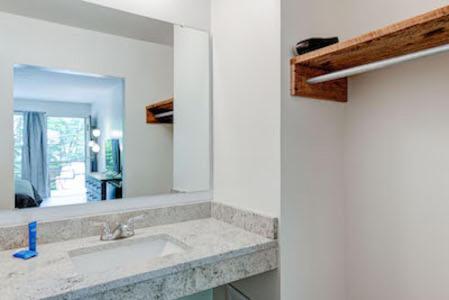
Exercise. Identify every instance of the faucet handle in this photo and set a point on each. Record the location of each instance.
(105, 233)
(131, 221)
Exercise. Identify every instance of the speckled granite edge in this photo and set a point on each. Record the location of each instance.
(12, 237)
(55, 213)
(16, 236)
(245, 219)
(189, 281)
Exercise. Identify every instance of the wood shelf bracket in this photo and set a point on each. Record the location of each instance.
(335, 90)
(160, 112)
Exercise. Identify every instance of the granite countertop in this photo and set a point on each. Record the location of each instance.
(217, 253)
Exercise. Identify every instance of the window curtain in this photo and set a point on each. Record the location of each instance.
(93, 157)
(116, 155)
(34, 152)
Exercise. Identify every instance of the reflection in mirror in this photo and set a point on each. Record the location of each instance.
(101, 112)
(67, 137)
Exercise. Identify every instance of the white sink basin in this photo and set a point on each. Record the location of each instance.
(124, 253)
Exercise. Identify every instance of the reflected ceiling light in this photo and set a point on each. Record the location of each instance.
(96, 148)
(116, 134)
(96, 132)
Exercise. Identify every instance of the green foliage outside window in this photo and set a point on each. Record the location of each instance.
(18, 144)
(65, 142)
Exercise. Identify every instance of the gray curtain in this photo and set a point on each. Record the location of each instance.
(34, 152)
(116, 155)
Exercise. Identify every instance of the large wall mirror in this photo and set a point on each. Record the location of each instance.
(100, 105)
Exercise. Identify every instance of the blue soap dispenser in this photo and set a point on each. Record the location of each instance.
(32, 240)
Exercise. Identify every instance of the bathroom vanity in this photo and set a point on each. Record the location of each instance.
(206, 245)
(104, 134)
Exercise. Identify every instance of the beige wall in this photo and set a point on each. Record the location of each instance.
(148, 72)
(246, 54)
(312, 214)
(397, 170)
(246, 115)
(373, 170)
(364, 15)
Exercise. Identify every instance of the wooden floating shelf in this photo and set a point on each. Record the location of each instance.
(422, 32)
(160, 112)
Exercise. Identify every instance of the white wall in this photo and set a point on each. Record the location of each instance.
(193, 13)
(148, 72)
(376, 166)
(108, 115)
(312, 214)
(53, 108)
(397, 140)
(246, 113)
(383, 12)
(192, 108)
(397, 170)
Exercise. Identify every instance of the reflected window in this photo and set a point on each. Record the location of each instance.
(18, 144)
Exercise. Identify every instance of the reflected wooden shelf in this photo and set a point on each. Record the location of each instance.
(160, 112)
(416, 34)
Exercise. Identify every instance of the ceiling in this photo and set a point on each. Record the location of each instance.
(90, 16)
(36, 83)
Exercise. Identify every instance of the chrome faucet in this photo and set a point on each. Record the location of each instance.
(121, 231)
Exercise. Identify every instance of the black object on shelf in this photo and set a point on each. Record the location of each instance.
(313, 44)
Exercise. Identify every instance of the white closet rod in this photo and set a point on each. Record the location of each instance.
(377, 65)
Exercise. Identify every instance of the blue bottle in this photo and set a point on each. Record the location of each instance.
(32, 241)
